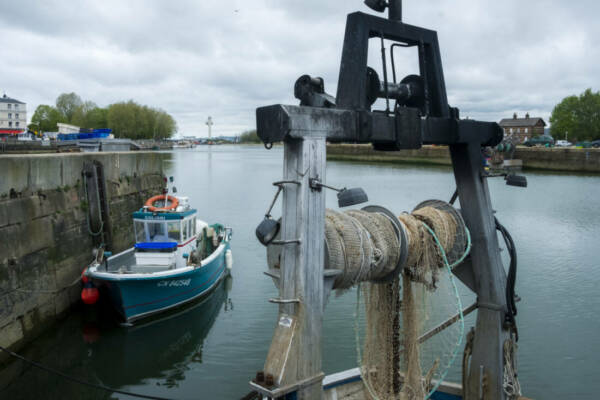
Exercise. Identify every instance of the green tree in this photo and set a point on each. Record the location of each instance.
(164, 125)
(134, 121)
(126, 119)
(67, 104)
(577, 117)
(97, 118)
(45, 118)
(82, 115)
(250, 137)
(121, 119)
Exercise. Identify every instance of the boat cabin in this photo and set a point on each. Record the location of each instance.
(172, 227)
(163, 239)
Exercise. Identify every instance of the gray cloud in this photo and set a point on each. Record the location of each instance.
(200, 58)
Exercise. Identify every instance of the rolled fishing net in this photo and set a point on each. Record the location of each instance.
(403, 352)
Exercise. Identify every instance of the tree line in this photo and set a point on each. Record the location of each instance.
(577, 117)
(126, 119)
(249, 137)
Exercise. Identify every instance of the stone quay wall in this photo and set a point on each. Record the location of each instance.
(44, 237)
(551, 159)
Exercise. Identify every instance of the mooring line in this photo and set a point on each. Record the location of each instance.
(81, 381)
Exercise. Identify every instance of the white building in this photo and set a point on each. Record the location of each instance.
(13, 115)
(66, 128)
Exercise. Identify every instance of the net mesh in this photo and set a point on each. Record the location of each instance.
(395, 360)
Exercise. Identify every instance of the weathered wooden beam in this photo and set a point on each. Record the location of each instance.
(295, 353)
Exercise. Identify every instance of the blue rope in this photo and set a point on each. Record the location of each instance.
(467, 250)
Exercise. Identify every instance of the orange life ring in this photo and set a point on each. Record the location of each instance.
(150, 203)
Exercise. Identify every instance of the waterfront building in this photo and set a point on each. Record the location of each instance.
(13, 116)
(522, 128)
(66, 128)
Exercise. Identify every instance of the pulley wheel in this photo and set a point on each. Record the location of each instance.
(402, 238)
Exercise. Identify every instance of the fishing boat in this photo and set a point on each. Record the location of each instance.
(183, 144)
(176, 259)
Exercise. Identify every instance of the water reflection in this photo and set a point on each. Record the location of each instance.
(162, 350)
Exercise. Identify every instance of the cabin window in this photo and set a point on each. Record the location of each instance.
(157, 232)
(185, 230)
(140, 234)
(174, 231)
(194, 225)
(190, 228)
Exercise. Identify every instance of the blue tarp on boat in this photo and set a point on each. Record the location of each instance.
(94, 134)
(155, 245)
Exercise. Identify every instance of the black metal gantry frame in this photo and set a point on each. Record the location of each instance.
(351, 120)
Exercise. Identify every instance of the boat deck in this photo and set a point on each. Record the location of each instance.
(125, 263)
(348, 385)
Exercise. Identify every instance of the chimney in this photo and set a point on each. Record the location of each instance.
(527, 115)
(515, 116)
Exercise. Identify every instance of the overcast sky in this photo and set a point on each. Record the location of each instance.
(225, 58)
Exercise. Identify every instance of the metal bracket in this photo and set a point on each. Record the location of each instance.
(284, 301)
(281, 183)
(284, 242)
(283, 390)
(316, 185)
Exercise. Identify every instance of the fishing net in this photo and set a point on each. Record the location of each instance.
(362, 245)
(399, 357)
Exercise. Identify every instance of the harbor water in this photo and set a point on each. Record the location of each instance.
(211, 349)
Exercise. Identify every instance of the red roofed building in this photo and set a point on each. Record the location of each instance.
(522, 128)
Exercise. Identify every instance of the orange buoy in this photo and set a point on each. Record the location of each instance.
(84, 277)
(174, 202)
(89, 294)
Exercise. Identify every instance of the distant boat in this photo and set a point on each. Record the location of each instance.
(184, 144)
(176, 259)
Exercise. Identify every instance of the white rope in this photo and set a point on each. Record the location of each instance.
(510, 382)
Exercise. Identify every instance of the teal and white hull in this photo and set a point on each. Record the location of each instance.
(176, 259)
(139, 295)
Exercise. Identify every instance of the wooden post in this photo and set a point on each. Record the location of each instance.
(488, 272)
(295, 352)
